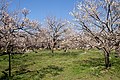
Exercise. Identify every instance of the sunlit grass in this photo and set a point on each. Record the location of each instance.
(60, 65)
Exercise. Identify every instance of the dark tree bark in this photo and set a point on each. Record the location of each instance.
(9, 64)
(117, 49)
(107, 60)
(52, 51)
(9, 52)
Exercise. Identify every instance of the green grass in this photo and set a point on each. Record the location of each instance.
(72, 65)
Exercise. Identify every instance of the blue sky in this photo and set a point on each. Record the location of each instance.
(40, 9)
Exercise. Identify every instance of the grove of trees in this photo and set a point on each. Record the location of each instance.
(97, 23)
(100, 20)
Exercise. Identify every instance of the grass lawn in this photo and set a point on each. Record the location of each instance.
(72, 65)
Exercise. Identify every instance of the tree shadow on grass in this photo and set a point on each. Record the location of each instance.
(115, 62)
(92, 62)
(4, 76)
(51, 69)
(71, 53)
(60, 54)
(94, 66)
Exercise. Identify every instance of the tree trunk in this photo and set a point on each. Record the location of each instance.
(107, 61)
(9, 64)
(52, 50)
(117, 51)
(53, 47)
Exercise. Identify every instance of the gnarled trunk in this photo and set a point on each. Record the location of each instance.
(107, 60)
